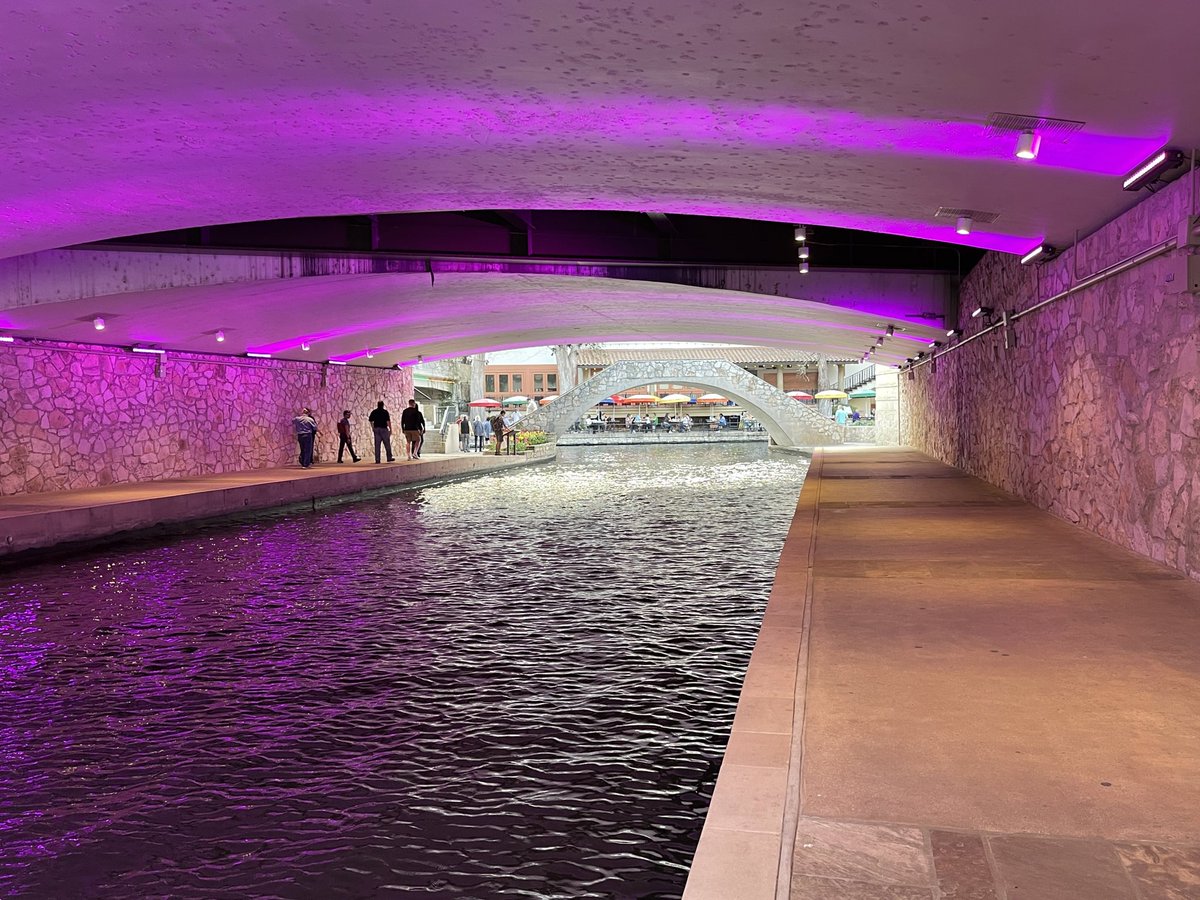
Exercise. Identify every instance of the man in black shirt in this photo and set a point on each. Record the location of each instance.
(381, 424)
(412, 423)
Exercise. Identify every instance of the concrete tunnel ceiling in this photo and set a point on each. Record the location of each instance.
(398, 316)
(143, 117)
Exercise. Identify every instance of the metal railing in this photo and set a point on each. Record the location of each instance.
(857, 380)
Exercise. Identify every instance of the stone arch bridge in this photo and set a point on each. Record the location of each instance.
(790, 424)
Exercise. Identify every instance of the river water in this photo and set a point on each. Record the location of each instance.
(512, 686)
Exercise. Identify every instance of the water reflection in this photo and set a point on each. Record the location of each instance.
(515, 686)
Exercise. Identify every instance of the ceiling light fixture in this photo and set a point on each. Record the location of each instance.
(935, 344)
(6, 338)
(370, 355)
(148, 350)
(1149, 172)
(804, 267)
(803, 252)
(964, 225)
(98, 323)
(258, 355)
(1039, 254)
(336, 362)
(801, 234)
(1028, 145)
(891, 330)
(220, 337)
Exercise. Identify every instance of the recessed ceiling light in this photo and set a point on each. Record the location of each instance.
(98, 323)
(220, 337)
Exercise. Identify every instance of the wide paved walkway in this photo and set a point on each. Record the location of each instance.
(956, 695)
(55, 518)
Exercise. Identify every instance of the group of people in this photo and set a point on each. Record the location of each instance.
(501, 426)
(412, 423)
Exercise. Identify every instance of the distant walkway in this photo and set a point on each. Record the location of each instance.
(624, 436)
(38, 521)
(955, 694)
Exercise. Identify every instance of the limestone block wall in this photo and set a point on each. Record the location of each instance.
(1092, 415)
(78, 416)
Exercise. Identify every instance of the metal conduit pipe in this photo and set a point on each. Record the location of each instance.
(1117, 268)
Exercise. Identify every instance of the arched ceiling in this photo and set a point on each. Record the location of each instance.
(129, 118)
(400, 316)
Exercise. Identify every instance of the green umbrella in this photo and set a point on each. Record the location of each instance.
(862, 395)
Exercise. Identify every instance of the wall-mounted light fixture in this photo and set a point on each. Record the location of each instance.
(305, 346)
(935, 344)
(1148, 174)
(954, 333)
(336, 362)
(258, 355)
(139, 349)
(370, 353)
(1028, 145)
(982, 311)
(1039, 254)
(6, 338)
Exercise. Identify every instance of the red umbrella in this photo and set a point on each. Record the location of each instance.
(484, 401)
(799, 395)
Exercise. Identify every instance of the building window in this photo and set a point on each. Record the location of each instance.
(552, 382)
(489, 384)
(537, 383)
(516, 384)
(504, 384)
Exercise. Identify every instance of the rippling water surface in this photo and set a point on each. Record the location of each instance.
(511, 686)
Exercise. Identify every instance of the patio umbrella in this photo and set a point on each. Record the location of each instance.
(711, 398)
(549, 399)
(607, 401)
(800, 395)
(518, 399)
(862, 395)
(640, 398)
(831, 395)
(674, 398)
(484, 401)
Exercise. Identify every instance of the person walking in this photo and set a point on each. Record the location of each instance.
(464, 434)
(482, 431)
(305, 427)
(381, 425)
(412, 423)
(345, 441)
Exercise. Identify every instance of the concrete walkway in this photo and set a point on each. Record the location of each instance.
(39, 521)
(956, 695)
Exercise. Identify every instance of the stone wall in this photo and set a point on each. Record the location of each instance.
(82, 416)
(1092, 415)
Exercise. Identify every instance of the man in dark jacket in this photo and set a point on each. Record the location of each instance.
(412, 423)
(381, 424)
(305, 427)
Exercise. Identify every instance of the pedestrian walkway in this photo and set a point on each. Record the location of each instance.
(39, 521)
(956, 695)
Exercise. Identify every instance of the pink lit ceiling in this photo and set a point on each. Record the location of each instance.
(127, 118)
(400, 316)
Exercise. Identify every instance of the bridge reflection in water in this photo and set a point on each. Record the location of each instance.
(516, 685)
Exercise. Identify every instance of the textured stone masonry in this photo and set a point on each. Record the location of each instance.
(1093, 415)
(82, 416)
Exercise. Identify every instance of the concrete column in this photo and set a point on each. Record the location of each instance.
(827, 379)
(478, 365)
(565, 357)
(887, 408)
(779, 377)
